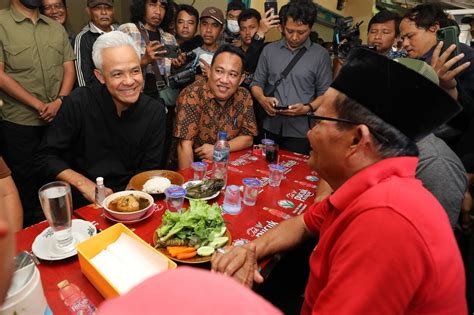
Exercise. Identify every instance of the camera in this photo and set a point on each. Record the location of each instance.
(185, 75)
(346, 36)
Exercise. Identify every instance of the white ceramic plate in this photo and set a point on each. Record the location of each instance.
(44, 245)
(195, 182)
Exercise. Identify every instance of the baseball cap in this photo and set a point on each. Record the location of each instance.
(401, 97)
(214, 13)
(94, 3)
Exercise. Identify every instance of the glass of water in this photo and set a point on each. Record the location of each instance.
(56, 201)
(175, 198)
(232, 200)
(276, 174)
(200, 169)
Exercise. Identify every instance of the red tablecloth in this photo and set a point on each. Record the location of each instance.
(294, 195)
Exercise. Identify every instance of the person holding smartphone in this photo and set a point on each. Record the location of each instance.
(286, 108)
(252, 33)
(418, 30)
(150, 19)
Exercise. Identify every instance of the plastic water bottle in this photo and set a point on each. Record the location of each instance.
(75, 299)
(99, 192)
(221, 157)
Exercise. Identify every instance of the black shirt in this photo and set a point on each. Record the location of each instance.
(89, 137)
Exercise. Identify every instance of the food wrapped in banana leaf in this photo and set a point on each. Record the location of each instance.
(206, 188)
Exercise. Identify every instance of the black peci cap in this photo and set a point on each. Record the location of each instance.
(398, 95)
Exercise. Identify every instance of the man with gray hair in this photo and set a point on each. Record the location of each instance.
(112, 130)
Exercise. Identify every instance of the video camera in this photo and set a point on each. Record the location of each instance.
(346, 36)
(185, 75)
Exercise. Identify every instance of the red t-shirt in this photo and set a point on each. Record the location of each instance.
(385, 247)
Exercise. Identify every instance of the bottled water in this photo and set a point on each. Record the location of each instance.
(75, 299)
(221, 157)
(99, 192)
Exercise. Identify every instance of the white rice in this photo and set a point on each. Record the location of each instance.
(156, 185)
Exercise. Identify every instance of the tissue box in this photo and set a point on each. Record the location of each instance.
(93, 246)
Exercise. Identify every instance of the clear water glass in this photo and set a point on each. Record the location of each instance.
(200, 169)
(232, 200)
(56, 201)
(251, 187)
(276, 175)
(175, 198)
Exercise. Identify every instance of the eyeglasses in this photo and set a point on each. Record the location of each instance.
(56, 6)
(315, 119)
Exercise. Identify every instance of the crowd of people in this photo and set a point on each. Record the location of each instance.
(390, 132)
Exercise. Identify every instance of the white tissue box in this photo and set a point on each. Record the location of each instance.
(93, 246)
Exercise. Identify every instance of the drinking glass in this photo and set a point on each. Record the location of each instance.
(271, 153)
(200, 169)
(175, 197)
(56, 201)
(276, 174)
(232, 201)
(251, 187)
(266, 142)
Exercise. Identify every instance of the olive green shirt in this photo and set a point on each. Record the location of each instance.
(33, 55)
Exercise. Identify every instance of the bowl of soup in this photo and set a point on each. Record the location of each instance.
(128, 205)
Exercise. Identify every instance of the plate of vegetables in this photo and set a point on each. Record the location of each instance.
(192, 236)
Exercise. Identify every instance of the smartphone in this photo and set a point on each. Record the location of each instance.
(271, 5)
(449, 35)
(281, 107)
(172, 51)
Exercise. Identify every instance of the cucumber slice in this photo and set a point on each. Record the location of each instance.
(219, 242)
(221, 232)
(218, 233)
(205, 251)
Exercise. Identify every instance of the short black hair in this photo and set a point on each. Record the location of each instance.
(300, 11)
(236, 5)
(138, 9)
(428, 15)
(189, 9)
(248, 14)
(230, 49)
(386, 16)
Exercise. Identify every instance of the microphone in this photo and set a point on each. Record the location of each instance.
(191, 44)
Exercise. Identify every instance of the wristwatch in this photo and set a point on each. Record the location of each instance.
(258, 37)
(61, 97)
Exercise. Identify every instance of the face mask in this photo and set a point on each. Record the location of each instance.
(31, 4)
(233, 26)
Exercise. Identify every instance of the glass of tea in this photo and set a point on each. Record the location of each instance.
(271, 153)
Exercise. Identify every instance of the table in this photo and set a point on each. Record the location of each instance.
(294, 195)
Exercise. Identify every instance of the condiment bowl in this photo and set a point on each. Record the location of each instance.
(128, 216)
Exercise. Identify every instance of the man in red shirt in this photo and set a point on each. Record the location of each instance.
(385, 243)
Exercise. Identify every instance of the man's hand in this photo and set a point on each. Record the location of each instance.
(237, 42)
(178, 62)
(205, 152)
(239, 262)
(50, 110)
(205, 67)
(268, 104)
(154, 51)
(442, 66)
(87, 189)
(267, 23)
(297, 109)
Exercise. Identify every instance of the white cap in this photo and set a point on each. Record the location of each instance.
(99, 180)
